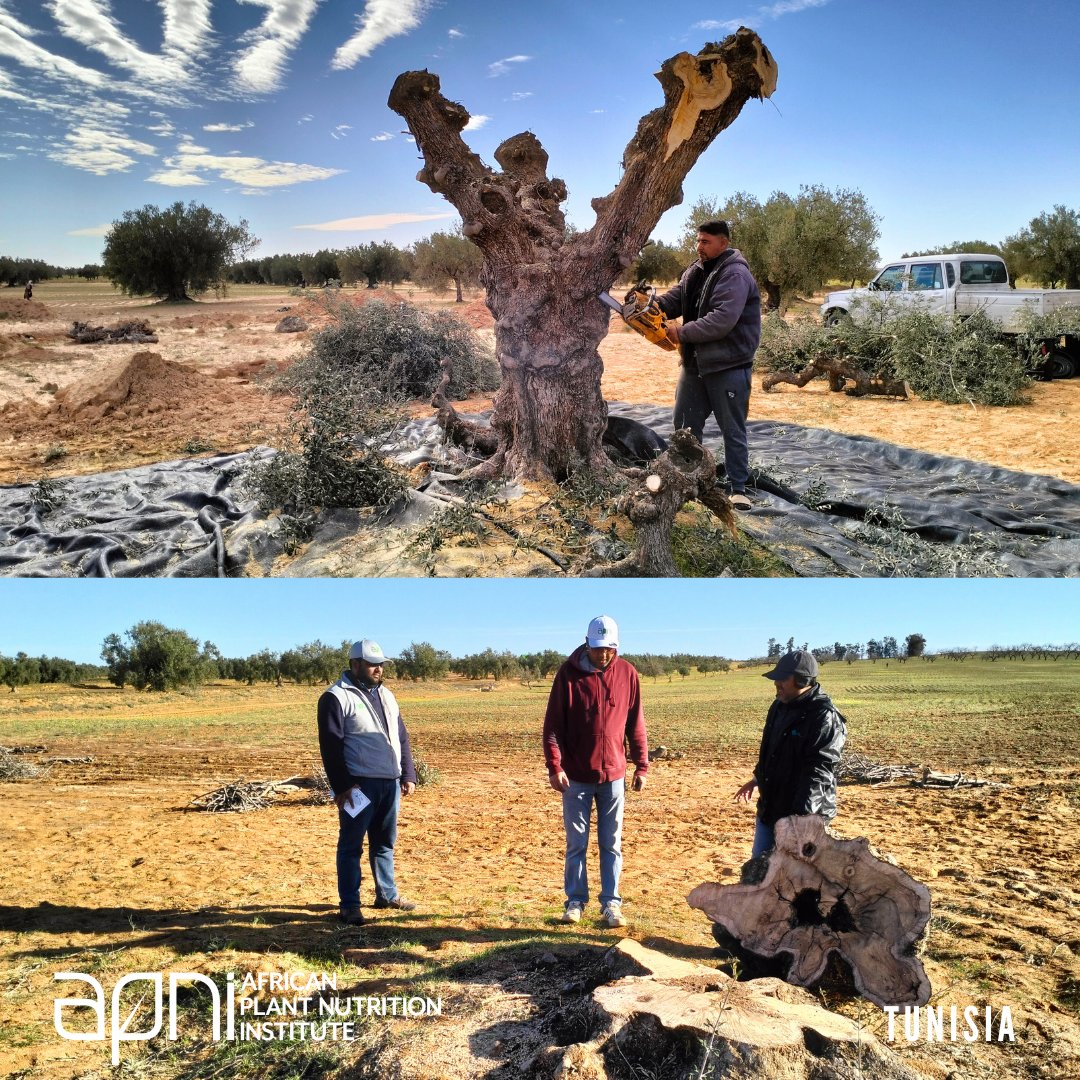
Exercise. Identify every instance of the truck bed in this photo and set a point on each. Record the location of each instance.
(1005, 305)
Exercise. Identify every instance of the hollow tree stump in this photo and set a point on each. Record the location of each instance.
(839, 372)
(683, 473)
(821, 894)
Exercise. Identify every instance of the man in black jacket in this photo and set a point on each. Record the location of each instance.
(800, 747)
(720, 306)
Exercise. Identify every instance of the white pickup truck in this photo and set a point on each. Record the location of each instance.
(964, 283)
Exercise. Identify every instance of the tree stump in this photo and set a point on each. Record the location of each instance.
(683, 473)
(661, 1010)
(822, 894)
(839, 372)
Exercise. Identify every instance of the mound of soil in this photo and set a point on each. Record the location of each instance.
(475, 313)
(19, 310)
(139, 385)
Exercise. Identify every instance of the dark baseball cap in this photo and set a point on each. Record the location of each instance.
(798, 662)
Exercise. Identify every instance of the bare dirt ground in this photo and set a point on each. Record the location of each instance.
(107, 869)
(70, 409)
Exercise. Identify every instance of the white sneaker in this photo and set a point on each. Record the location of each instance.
(572, 914)
(613, 916)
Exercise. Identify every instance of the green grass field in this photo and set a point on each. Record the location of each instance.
(973, 712)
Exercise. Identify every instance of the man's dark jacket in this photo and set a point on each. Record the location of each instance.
(721, 311)
(800, 749)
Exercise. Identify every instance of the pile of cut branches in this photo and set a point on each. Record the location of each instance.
(854, 768)
(137, 331)
(241, 796)
(12, 767)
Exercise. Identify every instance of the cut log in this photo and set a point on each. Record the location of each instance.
(684, 473)
(820, 894)
(839, 372)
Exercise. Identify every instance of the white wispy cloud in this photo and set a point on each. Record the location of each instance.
(185, 35)
(306, 118)
(371, 221)
(15, 43)
(378, 22)
(190, 164)
(93, 230)
(383, 136)
(261, 66)
(454, 34)
(98, 151)
(163, 128)
(521, 95)
(502, 67)
(228, 127)
(763, 14)
(476, 122)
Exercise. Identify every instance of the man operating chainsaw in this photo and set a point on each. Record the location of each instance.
(720, 307)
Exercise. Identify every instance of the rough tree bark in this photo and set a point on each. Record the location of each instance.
(541, 286)
(821, 894)
(685, 472)
(839, 372)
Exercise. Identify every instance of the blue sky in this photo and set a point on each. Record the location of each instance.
(957, 120)
(733, 618)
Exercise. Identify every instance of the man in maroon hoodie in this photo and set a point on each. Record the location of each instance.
(593, 710)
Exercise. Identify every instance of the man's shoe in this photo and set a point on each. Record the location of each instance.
(351, 916)
(399, 902)
(740, 502)
(612, 916)
(572, 914)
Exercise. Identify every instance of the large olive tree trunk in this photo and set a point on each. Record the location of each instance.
(541, 286)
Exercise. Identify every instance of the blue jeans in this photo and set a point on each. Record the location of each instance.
(577, 804)
(727, 396)
(764, 838)
(378, 822)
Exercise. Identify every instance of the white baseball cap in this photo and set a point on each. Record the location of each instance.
(369, 651)
(603, 633)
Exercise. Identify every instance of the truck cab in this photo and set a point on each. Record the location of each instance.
(934, 283)
(961, 284)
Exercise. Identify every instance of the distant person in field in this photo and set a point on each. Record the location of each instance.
(593, 710)
(28, 292)
(720, 306)
(800, 747)
(365, 751)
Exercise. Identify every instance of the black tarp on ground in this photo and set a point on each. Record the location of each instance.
(828, 504)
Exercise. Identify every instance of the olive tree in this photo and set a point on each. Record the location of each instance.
(1047, 249)
(173, 252)
(374, 262)
(542, 282)
(446, 257)
(153, 657)
(795, 243)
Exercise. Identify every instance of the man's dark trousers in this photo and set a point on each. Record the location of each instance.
(725, 394)
(378, 822)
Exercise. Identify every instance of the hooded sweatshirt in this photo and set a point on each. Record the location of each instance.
(721, 311)
(591, 715)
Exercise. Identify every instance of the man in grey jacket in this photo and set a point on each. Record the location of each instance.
(365, 751)
(720, 307)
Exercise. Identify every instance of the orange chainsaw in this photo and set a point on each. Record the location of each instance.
(642, 313)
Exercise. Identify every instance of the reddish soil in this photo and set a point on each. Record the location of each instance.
(211, 355)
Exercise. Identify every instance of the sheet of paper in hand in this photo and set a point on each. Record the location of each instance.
(356, 802)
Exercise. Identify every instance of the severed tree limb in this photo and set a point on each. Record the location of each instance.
(683, 473)
(821, 894)
(461, 432)
(839, 372)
